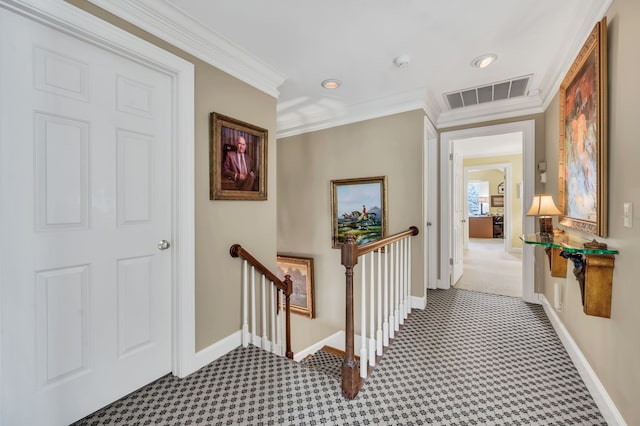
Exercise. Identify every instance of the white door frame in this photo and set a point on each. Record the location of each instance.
(430, 208)
(71, 20)
(527, 128)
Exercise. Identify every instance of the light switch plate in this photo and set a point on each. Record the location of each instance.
(628, 215)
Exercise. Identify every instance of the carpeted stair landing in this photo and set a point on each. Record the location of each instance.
(327, 360)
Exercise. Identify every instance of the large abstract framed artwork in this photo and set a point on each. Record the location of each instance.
(582, 192)
(237, 160)
(300, 269)
(359, 207)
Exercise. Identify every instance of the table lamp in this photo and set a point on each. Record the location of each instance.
(544, 207)
(481, 201)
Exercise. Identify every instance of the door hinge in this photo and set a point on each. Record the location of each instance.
(451, 261)
(451, 156)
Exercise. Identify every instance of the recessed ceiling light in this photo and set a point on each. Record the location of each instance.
(484, 60)
(331, 83)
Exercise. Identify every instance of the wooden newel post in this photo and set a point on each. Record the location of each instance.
(350, 370)
(287, 295)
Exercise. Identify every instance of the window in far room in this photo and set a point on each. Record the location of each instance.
(478, 198)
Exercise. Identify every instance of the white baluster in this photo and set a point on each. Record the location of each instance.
(254, 330)
(263, 292)
(372, 313)
(402, 283)
(385, 324)
(379, 310)
(281, 321)
(397, 287)
(245, 307)
(272, 317)
(363, 320)
(392, 292)
(408, 275)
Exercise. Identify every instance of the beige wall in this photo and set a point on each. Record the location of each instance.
(389, 146)
(612, 345)
(219, 224)
(494, 179)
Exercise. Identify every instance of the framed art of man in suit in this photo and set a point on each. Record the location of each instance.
(238, 164)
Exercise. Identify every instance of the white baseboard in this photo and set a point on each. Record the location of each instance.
(598, 392)
(418, 302)
(213, 352)
(336, 340)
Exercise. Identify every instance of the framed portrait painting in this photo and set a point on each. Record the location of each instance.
(300, 269)
(237, 160)
(582, 192)
(359, 207)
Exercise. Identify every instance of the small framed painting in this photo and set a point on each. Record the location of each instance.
(300, 269)
(359, 207)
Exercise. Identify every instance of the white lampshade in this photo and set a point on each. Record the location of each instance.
(543, 205)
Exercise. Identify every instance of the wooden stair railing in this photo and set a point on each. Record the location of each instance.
(393, 304)
(286, 287)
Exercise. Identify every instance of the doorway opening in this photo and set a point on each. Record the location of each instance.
(488, 150)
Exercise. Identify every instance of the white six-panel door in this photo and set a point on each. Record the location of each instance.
(86, 198)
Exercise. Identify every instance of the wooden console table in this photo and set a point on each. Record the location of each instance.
(593, 268)
(480, 227)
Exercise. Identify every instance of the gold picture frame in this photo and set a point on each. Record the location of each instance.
(582, 180)
(233, 176)
(359, 207)
(300, 269)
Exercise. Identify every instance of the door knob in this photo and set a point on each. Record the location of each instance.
(164, 244)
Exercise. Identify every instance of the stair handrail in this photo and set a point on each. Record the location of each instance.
(285, 286)
(350, 252)
(368, 248)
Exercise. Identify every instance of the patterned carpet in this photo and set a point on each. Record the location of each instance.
(469, 359)
(328, 363)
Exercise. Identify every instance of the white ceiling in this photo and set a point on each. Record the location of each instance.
(287, 47)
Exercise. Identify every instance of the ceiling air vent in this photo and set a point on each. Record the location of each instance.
(490, 93)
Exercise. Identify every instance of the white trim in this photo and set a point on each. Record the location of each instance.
(72, 20)
(566, 58)
(596, 388)
(527, 128)
(217, 350)
(430, 206)
(418, 302)
(169, 23)
(336, 340)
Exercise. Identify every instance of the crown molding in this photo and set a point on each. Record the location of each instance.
(165, 21)
(596, 14)
(380, 107)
